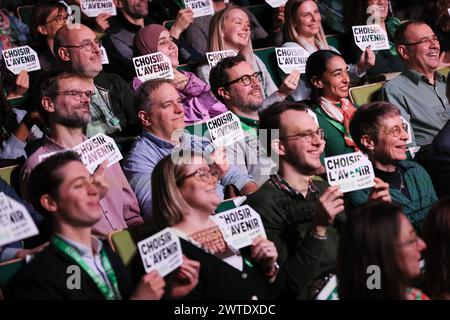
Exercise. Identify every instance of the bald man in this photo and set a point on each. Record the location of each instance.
(112, 107)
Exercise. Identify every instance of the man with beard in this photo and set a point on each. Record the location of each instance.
(112, 106)
(301, 215)
(65, 98)
(235, 83)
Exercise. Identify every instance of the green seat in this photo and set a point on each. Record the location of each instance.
(444, 71)
(185, 67)
(263, 12)
(335, 40)
(8, 269)
(168, 24)
(363, 94)
(6, 172)
(25, 12)
(268, 57)
(124, 245)
(198, 129)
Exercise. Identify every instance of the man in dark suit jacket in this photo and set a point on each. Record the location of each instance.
(76, 265)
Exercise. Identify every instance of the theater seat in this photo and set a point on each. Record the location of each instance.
(8, 269)
(6, 172)
(364, 94)
(24, 13)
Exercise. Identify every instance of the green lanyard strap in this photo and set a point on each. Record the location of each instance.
(70, 251)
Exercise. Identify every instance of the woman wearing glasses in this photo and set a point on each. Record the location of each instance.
(198, 101)
(379, 131)
(230, 30)
(379, 255)
(327, 75)
(304, 30)
(363, 12)
(184, 198)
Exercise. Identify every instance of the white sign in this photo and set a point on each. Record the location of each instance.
(351, 171)
(200, 7)
(225, 129)
(105, 59)
(93, 152)
(329, 292)
(240, 226)
(15, 221)
(153, 66)
(215, 56)
(370, 35)
(276, 3)
(161, 252)
(21, 58)
(291, 58)
(407, 129)
(92, 8)
(448, 10)
(96, 150)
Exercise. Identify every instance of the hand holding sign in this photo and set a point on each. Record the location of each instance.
(22, 83)
(220, 165)
(102, 22)
(380, 191)
(265, 252)
(98, 179)
(150, 287)
(329, 205)
(186, 278)
(184, 19)
(366, 60)
(289, 84)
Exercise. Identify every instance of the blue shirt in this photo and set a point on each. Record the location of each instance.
(148, 150)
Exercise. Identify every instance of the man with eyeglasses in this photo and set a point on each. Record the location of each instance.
(112, 105)
(236, 84)
(65, 98)
(162, 116)
(300, 215)
(419, 91)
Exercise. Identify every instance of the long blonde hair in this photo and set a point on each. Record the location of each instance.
(215, 40)
(291, 32)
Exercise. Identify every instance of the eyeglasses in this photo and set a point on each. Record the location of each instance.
(306, 136)
(246, 80)
(202, 175)
(60, 19)
(397, 130)
(426, 40)
(87, 45)
(77, 94)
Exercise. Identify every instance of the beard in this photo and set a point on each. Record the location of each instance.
(246, 105)
(73, 121)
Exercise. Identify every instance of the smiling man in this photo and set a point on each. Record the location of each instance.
(419, 91)
(161, 114)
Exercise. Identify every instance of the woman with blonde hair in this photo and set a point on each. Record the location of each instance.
(230, 30)
(184, 198)
(304, 30)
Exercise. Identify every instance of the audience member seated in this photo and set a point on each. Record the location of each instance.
(112, 106)
(198, 101)
(17, 126)
(436, 233)
(378, 130)
(379, 255)
(238, 86)
(230, 30)
(48, 16)
(419, 91)
(64, 190)
(65, 98)
(184, 193)
(198, 32)
(304, 30)
(327, 75)
(162, 116)
(362, 12)
(14, 33)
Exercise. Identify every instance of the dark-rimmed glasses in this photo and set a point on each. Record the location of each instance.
(77, 94)
(86, 45)
(246, 79)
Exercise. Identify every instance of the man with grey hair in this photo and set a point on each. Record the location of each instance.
(161, 114)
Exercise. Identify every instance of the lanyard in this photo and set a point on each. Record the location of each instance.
(249, 129)
(104, 288)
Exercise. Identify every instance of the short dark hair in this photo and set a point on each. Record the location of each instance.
(46, 178)
(41, 12)
(369, 238)
(270, 118)
(367, 120)
(316, 66)
(48, 85)
(143, 94)
(399, 37)
(218, 77)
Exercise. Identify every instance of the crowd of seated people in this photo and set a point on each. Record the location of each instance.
(175, 174)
